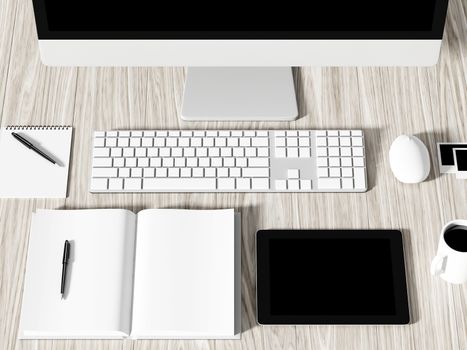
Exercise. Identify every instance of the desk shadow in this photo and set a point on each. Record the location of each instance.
(373, 154)
(431, 139)
(410, 276)
(299, 92)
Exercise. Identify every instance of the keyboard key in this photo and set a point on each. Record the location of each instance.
(119, 162)
(168, 162)
(116, 152)
(123, 142)
(229, 162)
(174, 172)
(293, 185)
(345, 141)
(146, 142)
(358, 162)
(111, 142)
(99, 133)
(99, 142)
(347, 184)
(263, 152)
(245, 142)
(238, 152)
(178, 184)
(222, 172)
(323, 172)
(292, 152)
(334, 162)
(136, 172)
(241, 162)
(149, 172)
(155, 162)
(232, 142)
(260, 184)
(357, 141)
(359, 178)
(329, 183)
(333, 132)
(243, 183)
(333, 151)
(321, 142)
(104, 172)
(260, 142)
(124, 172)
(347, 172)
(304, 142)
(164, 152)
(101, 152)
(116, 184)
(357, 151)
(204, 162)
(132, 184)
(346, 151)
(161, 172)
(196, 142)
(198, 172)
(305, 184)
(291, 133)
(322, 162)
(185, 142)
(102, 162)
(344, 132)
(98, 184)
(209, 172)
(320, 132)
(333, 141)
(334, 172)
(179, 162)
(133, 133)
(321, 152)
(159, 142)
(220, 142)
(226, 184)
(186, 172)
(226, 152)
(293, 174)
(129, 152)
(304, 152)
(279, 133)
(303, 133)
(177, 152)
(280, 152)
(258, 162)
(281, 185)
(255, 172)
(235, 172)
(346, 161)
(280, 141)
(292, 142)
(135, 142)
(143, 162)
(201, 152)
(357, 133)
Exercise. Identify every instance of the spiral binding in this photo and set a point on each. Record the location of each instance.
(38, 127)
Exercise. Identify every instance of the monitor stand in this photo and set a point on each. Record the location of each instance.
(239, 93)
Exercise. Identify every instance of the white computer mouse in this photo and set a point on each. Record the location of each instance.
(409, 159)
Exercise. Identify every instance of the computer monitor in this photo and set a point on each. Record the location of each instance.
(211, 35)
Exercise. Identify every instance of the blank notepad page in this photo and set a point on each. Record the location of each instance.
(25, 174)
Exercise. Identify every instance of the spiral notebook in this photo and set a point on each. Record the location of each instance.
(25, 174)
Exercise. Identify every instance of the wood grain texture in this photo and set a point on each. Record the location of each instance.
(385, 102)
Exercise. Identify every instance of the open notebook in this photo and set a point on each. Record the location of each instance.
(161, 273)
(25, 174)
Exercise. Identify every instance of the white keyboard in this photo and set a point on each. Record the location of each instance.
(229, 161)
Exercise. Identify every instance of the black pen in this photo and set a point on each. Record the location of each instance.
(32, 147)
(66, 257)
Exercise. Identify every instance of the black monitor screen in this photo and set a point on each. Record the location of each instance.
(236, 19)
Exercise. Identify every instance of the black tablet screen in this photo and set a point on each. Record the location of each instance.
(331, 277)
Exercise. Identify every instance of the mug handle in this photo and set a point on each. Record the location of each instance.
(438, 265)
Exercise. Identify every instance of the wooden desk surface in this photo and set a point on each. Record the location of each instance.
(385, 102)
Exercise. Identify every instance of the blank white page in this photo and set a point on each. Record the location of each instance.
(184, 274)
(98, 301)
(24, 173)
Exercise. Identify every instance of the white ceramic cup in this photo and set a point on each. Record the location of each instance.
(449, 263)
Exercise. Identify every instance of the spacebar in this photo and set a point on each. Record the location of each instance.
(179, 184)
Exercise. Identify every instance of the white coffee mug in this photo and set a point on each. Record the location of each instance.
(450, 263)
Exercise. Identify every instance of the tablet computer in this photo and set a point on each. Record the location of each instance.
(331, 277)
